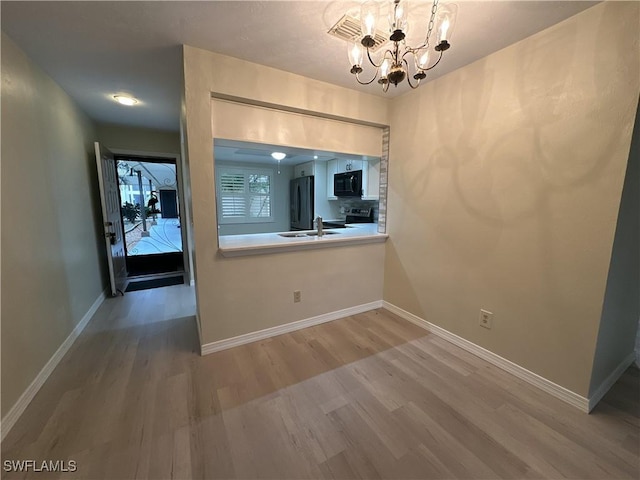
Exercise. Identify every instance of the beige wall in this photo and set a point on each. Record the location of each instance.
(224, 285)
(52, 263)
(621, 311)
(234, 121)
(139, 139)
(504, 186)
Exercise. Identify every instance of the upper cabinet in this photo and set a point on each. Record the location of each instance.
(306, 169)
(351, 165)
(372, 191)
(332, 169)
(370, 176)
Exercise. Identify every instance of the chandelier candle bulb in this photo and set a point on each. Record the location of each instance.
(384, 68)
(445, 23)
(369, 12)
(355, 52)
(398, 18)
(422, 59)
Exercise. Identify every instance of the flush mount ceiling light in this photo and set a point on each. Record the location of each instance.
(125, 100)
(278, 156)
(398, 61)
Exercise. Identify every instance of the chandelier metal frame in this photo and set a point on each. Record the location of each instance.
(394, 67)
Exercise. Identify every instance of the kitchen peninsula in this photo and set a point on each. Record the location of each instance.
(263, 243)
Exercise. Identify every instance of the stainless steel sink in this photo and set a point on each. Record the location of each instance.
(292, 235)
(303, 234)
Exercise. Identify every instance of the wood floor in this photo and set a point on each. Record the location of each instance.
(368, 396)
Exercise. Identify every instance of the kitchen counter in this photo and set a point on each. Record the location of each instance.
(263, 243)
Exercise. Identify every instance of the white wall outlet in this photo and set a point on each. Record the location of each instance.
(297, 296)
(486, 319)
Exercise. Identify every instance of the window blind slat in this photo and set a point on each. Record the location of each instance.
(259, 206)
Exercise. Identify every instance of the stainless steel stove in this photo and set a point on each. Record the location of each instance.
(354, 215)
(360, 215)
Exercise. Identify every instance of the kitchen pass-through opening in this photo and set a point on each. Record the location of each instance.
(150, 209)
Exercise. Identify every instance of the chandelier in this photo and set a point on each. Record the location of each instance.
(399, 60)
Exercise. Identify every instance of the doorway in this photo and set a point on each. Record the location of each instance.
(150, 210)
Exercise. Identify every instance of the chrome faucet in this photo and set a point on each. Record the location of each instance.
(319, 226)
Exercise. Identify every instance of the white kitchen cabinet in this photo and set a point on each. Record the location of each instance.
(372, 181)
(351, 165)
(306, 169)
(321, 201)
(332, 169)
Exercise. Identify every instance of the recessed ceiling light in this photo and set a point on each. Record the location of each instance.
(278, 155)
(315, 157)
(125, 100)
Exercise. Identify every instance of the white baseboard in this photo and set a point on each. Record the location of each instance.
(605, 386)
(19, 407)
(534, 379)
(286, 328)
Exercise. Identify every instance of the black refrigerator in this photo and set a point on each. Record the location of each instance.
(301, 198)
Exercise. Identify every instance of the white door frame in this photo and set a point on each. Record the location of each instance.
(181, 200)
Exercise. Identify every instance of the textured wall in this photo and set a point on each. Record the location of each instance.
(52, 255)
(223, 285)
(505, 179)
(234, 121)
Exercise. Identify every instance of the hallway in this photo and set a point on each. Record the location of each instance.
(124, 370)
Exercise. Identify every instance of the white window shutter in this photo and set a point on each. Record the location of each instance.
(244, 195)
(232, 195)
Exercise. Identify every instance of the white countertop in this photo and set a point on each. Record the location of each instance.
(262, 243)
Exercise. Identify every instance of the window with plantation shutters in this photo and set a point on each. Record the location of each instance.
(232, 195)
(244, 195)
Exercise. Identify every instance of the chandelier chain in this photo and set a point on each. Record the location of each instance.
(432, 20)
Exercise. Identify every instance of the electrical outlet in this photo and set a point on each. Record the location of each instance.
(297, 296)
(486, 319)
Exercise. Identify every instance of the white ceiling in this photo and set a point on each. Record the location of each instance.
(96, 49)
(248, 152)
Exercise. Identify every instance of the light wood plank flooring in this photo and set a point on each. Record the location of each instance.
(368, 396)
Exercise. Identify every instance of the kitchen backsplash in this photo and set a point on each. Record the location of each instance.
(345, 204)
(381, 213)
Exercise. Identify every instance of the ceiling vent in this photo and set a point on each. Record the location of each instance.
(349, 27)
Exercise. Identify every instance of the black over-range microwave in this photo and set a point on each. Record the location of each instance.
(348, 184)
